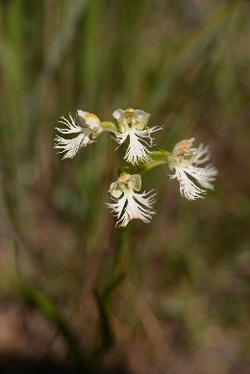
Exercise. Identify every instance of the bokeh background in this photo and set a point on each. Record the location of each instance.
(176, 300)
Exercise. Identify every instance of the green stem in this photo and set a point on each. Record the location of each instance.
(109, 126)
(103, 298)
(160, 154)
(158, 158)
(52, 314)
(147, 166)
(107, 336)
(117, 272)
(121, 251)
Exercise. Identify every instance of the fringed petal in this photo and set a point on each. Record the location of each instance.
(71, 126)
(69, 146)
(86, 134)
(186, 161)
(188, 188)
(133, 205)
(139, 143)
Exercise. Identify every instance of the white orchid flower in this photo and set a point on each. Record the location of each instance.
(129, 203)
(187, 161)
(85, 133)
(132, 124)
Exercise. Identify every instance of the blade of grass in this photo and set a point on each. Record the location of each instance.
(52, 314)
(73, 12)
(90, 59)
(107, 336)
(190, 49)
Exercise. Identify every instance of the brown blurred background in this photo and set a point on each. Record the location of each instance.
(178, 300)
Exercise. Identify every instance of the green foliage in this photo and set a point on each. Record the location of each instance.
(187, 64)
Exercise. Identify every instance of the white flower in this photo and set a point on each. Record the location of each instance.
(85, 133)
(187, 161)
(130, 204)
(132, 124)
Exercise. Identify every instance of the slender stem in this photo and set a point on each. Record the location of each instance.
(117, 272)
(121, 251)
(158, 158)
(109, 126)
(147, 166)
(103, 298)
(117, 275)
(160, 154)
(52, 314)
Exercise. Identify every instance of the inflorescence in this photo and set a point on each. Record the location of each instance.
(131, 130)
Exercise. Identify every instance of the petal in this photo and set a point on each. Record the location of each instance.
(121, 137)
(133, 205)
(139, 207)
(204, 176)
(188, 188)
(118, 114)
(140, 119)
(118, 210)
(72, 146)
(69, 146)
(115, 190)
(71, 126)
(137, 150)
(183, 145)
(136, 182)
(140, 113)
(91, 120)
(202, 154)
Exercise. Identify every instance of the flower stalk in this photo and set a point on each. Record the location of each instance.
(109, 127)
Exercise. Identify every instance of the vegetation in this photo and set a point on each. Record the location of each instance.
(169, 296)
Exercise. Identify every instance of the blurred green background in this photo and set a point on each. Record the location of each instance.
(177, 302)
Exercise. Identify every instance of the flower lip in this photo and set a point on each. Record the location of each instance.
(129, 204)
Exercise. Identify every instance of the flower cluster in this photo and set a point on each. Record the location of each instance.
(132, 131)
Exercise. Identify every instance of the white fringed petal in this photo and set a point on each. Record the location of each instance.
(204, 176)
(202, 154)
(71, 126)
(129, 204)
(139, 143)
(186, 162)
(72, 146)
(137, 150)
(133, 126)
(133, 205)
(90, 130)
(188, 188)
